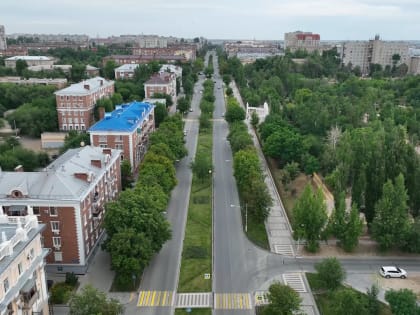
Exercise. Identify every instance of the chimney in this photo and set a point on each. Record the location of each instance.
(106, 151)
(19, 168)
(86, 86)
(82, 176)
(101, 112)
(96, 163)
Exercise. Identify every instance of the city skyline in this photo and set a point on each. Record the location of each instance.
(348, 20)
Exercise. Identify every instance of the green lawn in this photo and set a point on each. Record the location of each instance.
(257, 232)
(197, 248)
(324, 299)
(194, 311)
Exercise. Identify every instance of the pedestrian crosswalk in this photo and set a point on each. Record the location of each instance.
(194, 300)
(155, 298)
(295, 281)
(232, 301)
(284, 249)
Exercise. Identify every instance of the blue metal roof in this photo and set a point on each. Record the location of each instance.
(124, 118)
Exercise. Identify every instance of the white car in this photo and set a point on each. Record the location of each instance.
(392, 272)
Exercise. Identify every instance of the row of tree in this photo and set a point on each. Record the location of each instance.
(135, 222)
(247, 168)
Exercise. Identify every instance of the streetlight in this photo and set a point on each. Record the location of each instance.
(246, 215)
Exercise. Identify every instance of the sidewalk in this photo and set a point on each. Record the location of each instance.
(279, 230)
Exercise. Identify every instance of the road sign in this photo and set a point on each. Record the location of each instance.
(206, 276)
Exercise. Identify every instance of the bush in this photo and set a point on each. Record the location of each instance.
(71, 279)
(330, 272)
(60, 293)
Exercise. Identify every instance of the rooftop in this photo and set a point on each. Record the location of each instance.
(159, 78)
(57, 181)
(27, 58)
(85, 87)
(124, 118)
(127, 67)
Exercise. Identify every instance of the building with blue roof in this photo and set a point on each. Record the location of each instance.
(127, 128)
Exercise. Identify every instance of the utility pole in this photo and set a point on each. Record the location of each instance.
(246, 217)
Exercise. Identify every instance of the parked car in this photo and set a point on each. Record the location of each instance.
(392, 272)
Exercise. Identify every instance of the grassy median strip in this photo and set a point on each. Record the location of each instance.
(197, 252)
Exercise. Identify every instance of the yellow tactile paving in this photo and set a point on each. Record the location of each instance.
(232, 301)
(155, 298)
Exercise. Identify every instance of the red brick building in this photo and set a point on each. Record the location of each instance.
(127, 129)
(163, 82)
(68, 196)
(141, 59)
(76, 103)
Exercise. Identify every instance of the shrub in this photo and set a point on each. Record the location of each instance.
(71, 279)
(60, 293)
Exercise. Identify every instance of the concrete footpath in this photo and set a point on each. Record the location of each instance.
(277, 225)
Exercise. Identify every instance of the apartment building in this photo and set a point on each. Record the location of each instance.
(59, 83)
(126, 71)
(308, 41)
(3, 44)
(189, 52)
(91, 71)
(76, 103)
(127, 128)
(141, 59)
(177, 70)
(163, 82)
(68, 196)
(30, 61)
(22, 275)
(152, 41)
(374, 51)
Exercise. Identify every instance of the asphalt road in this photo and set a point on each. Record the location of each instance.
(163, 272)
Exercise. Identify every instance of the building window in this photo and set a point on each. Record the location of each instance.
(64, 120)
(20, 268)
(58, 256)
(55, 226)
(119, 138)
(82, 127)
(53, 211)
(36, 211)
(102, 139)
(64, 127)
(32, 253)
(6, 285)
(119, 146)
(57, 241)
(103, 145)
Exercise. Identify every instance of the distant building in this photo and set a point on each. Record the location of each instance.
(189, 52)
(59, 83)
(64, 68)
(24, 288)
(414, 67)
(141, 59)
(52, 140)
(3, 43)
(14, 50)
(177, 70)
(126, 71)
(68, 196)
(127, 128)
(76, 103)
(91, 71)
(152, 41)
(374, 51)
(163, 82)
(307, 41)
(30, 61)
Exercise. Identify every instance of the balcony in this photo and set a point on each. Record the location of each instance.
(96, 210)
(29, 294)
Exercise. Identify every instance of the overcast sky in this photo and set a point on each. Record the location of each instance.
(216, 19)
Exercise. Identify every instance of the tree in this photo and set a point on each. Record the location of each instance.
(202, 166)
(372, 302)
(330, 272)
(160, 113)
(20, 66)
(126, 176)
(283, 300)
(109, 69)
(159, 170)
(310, 217)
(402, 302)
(234, 113)
(391, 223)
(347, 301)
(254, 120)
(92, 301)
(75, 139)
(183, 104)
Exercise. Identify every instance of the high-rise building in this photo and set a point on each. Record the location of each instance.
(301, 41)
(375, 51)
(3, 44)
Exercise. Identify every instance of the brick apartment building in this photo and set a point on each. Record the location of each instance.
(126, 71)
(163, 82)
(302, 41)
(125, 59)
(68, 196)
(127, 128)
(76, 103)
(24, 288)
(189, 52)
